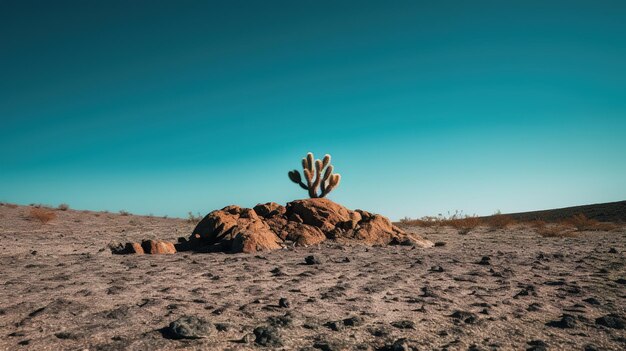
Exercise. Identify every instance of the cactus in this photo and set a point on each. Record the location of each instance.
(317, 174)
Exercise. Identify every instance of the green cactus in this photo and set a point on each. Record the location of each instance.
(318, 174)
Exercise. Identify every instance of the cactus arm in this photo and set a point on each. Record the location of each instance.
(318, 176)
(326, 161)
(296, 178)
(310, 161)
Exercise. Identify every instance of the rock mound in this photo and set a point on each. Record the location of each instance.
(271, 226)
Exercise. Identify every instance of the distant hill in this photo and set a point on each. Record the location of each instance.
(606, 212)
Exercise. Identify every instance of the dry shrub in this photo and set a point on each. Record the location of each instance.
(41, 214)
(124, 213)
(194, 219)
(457, 221)
(582, 223)
(11, 205)
(499, 221)
(555, 231)
(63, 207)
(464, 224)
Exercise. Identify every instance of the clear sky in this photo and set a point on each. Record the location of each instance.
(166, 107)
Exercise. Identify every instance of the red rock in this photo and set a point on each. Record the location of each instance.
(319, 212)
(304, 222)
(154, 247)
(269, 210)
(134, 248)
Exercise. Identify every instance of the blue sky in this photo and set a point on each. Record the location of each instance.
(168, 107)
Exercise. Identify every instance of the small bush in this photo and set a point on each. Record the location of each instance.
(42, 215)
(499, 221)
(195, 219)
(582, 223)
(555, 230)
(63, 207)
(124, 213)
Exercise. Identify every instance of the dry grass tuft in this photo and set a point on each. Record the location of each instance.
(124, 213)
(499, 221)
(582, 223)
(195, 219)
(63, 207)
(41, 214)
(555, 230)
(457, 220)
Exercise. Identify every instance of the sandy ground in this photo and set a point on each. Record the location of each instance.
(62, 289)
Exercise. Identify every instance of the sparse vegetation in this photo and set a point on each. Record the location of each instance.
(42, 215)
(457, 220)
(124, 213)
(553, 230)
(464, 224)
(63, 207)
(499, 221)
(195, 219)
(582, 223)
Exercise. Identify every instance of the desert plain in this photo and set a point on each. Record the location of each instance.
(509, 288)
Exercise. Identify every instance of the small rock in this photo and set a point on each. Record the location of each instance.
(398, 345)
(464, 316)
(311, 260)
(611, 321)
(592, 301)
(566, 322)
(612, 250)
(330, 346)
(437, 269)
(354, 321)
(484, 261)
(404, 324)
(335, 325)
(534, 307)
(267, 336)
(284, 303)
(223, 327)
(189, 327)
(280, 321)
(537, 345)
(440, 243)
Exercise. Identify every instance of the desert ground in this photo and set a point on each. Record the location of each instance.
(488, 289)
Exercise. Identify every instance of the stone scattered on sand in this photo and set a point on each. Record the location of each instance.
(537, 345)
(485, 261)
(311, 260)
(284, 302)
(353, 321)
(464, 316)
(404, 324)
(566, 322)
(613, 321)
(189, 327)
(267, 336)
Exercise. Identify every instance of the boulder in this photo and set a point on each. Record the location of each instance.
(303, 222)
(320, 212)
(154, 247)
(134, 248)
(271, 226)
